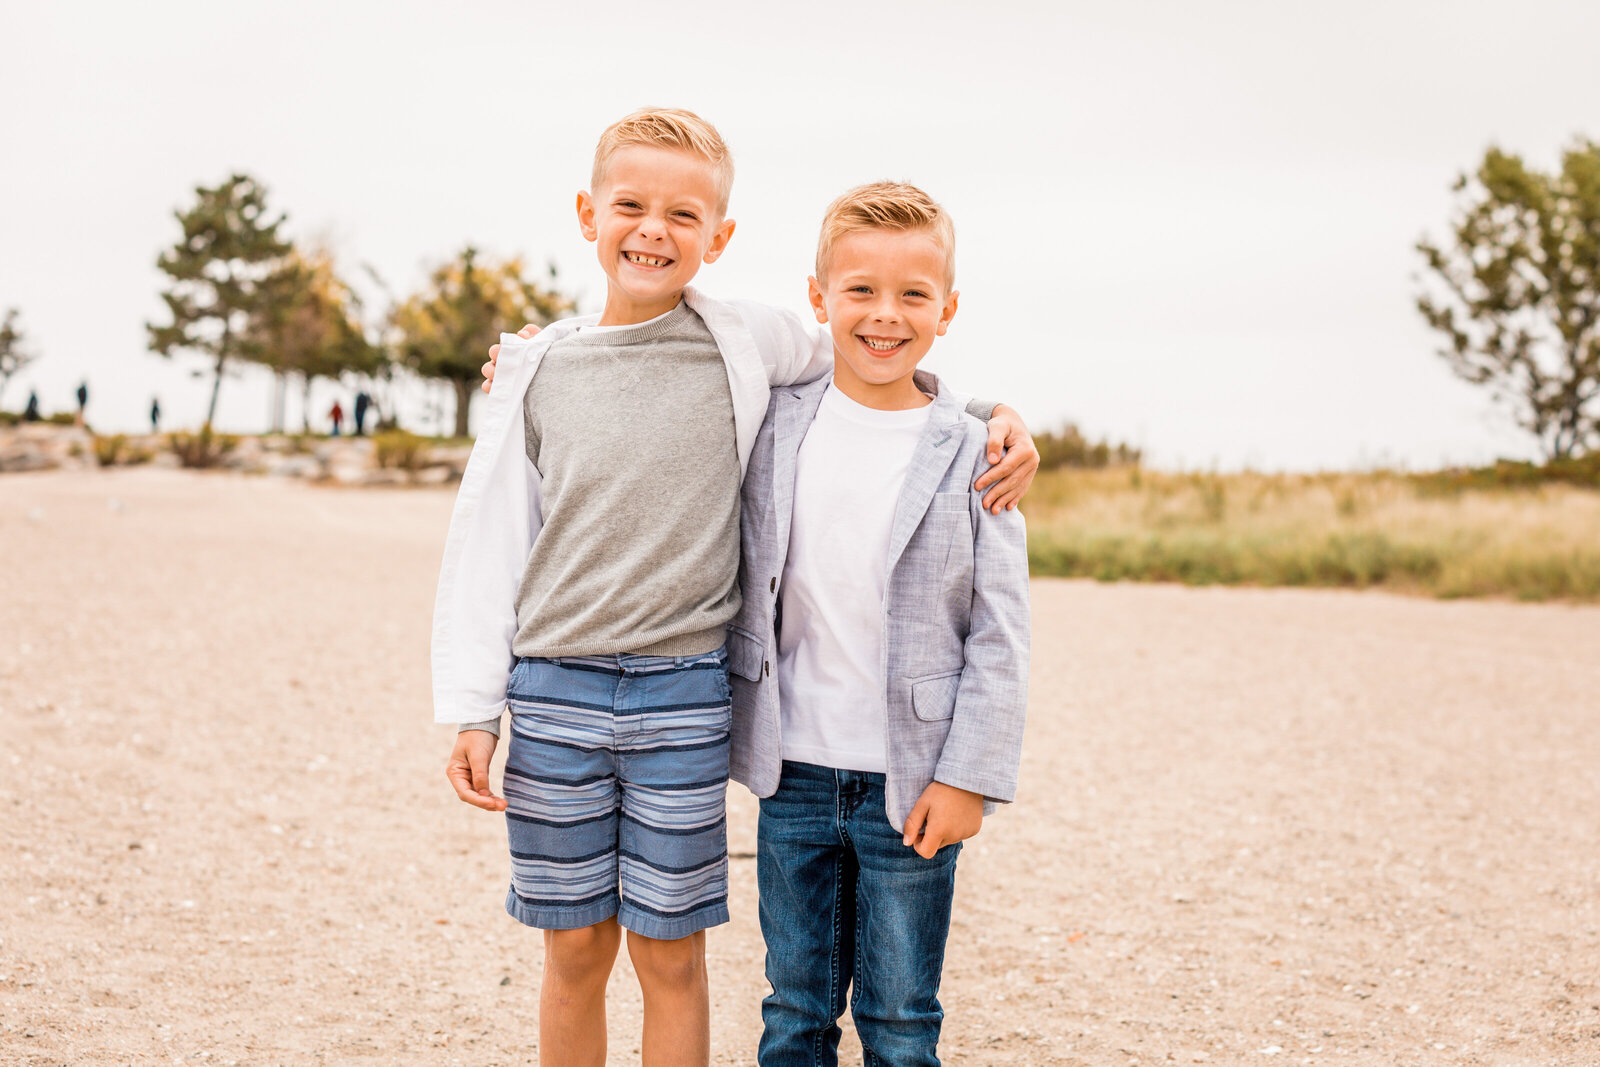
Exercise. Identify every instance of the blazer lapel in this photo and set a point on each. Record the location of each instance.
(929, 463)
(797, 406)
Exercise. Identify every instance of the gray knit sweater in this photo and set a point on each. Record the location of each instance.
(631, 430)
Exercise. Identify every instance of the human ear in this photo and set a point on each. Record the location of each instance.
(586, 216)
(814, 294)
(719, 240)
(947, 313)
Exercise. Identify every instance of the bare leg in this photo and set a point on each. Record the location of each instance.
(572, 997)
(677, 999)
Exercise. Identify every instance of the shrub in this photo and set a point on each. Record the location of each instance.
(108, 450)
(400, 450)
(1581, 471)
(1068, 447)
(202, 449)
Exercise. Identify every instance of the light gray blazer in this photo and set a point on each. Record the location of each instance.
(955, 614)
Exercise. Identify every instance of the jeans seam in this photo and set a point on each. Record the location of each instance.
(868, 1059)
(819, 1052)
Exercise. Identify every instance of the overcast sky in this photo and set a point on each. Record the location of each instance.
(1188, 226)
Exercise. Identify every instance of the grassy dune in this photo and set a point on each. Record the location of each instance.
(1426, 534)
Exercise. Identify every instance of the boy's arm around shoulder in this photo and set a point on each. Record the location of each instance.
(794, 351)
(984, 747)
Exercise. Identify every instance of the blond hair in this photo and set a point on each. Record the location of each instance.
(887, 206)
(667, 127)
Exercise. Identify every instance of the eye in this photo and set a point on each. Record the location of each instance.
(691, 216)
(917, 292)
(859, 289)
(628, 205)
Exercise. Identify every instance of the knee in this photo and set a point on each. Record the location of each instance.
(581, 956)
(673, 964)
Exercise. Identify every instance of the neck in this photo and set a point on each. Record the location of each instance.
(623, 310)
(901, 394)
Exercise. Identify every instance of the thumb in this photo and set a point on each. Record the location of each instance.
(480, 773)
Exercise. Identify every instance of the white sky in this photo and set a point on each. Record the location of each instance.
(1185, 225)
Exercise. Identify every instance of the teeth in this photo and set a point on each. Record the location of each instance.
(648, 261)
(883, 346)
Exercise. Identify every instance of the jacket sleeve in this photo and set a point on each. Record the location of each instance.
(492, 528)
(984, 747)
(794, 351)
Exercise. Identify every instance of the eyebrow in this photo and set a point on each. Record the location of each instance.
(624, 193)
(912, 283)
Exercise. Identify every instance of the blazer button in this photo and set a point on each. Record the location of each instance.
(766, 668)
(774, 586)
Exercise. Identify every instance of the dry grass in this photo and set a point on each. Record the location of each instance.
(1354, 530)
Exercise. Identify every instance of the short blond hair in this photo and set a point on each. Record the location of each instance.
(667, 127)
(887, 206)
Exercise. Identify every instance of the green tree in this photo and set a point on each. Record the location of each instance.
(13, 356)
(219, 273)
(1516, 292)
(445, 331)
(309, 323)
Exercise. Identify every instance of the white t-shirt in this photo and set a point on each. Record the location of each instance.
(848, 477)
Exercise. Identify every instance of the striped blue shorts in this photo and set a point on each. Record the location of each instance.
(616, 789)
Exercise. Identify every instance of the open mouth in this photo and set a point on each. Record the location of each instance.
(884, 345)
(639, 259)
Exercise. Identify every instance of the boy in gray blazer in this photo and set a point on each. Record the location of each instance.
(879, 660)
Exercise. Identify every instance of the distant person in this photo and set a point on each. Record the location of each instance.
(155, 415)
(31, 412)
(363, 401)
(83, 400)
(336, 416)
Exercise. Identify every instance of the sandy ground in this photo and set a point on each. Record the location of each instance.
(1255, 826)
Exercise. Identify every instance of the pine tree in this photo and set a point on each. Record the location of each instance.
(219, 273)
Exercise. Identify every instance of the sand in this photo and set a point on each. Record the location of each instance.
(1254, 826)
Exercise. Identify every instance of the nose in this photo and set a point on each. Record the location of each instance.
(653, 228)
(885, 309)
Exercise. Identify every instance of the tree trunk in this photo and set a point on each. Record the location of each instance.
(305, 406)
(216, 387)
(280, 392)
(463, 405)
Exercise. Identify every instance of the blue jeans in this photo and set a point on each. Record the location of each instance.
(846, 905)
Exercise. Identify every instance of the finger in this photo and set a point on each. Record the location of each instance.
(461, 781)
(1007, 466)
(488, 377)
(1012, 465)
(930, 844)
(487, 803)
(494, 354)
(1000, 498)
(915, 821)
(1010, 488)
(997, 441)
(527, 331)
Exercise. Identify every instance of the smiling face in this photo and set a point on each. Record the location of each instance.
(654, 218)
(884, 299)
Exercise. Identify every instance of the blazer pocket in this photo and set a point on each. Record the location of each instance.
(746, 655)
(934, 697)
